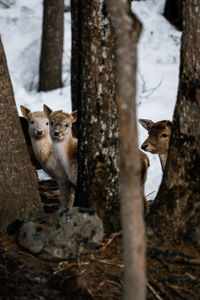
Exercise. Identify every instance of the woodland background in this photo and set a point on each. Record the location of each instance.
(97, 67)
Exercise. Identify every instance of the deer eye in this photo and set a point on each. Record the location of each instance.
(66, 125)
(47, 123)
(164, 135)
(32, 122)
(52, 123)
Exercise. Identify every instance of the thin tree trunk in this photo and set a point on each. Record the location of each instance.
(19, 196)
(176, 211)
(98, 185)
(52, 45)
(127, 29)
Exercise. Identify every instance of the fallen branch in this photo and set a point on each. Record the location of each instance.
(154, 292)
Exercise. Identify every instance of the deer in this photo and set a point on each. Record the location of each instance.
(158, 139)
(38, 125)
(64, 141)
(63, 132)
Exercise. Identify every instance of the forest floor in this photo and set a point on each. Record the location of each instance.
(172, 273)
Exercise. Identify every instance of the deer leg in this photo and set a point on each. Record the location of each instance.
(66, 193)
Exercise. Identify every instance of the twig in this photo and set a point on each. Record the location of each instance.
(109, 241)
(107, 262)
(190, 276)
(150, 193)
(152, 90)
(154, 292)
(115, 283)
(5, 4)
(64, 266)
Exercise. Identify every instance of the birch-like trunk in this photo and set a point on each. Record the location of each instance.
(127, 29)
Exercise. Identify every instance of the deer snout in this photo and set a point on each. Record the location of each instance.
(144, 146)
(56, 133)
(39, 132)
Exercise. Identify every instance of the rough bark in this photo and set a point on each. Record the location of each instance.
(76, 10)
(52, 45)
(127, 29)
(173, 12)
(176, 211)
(97, 113)
(19, 196)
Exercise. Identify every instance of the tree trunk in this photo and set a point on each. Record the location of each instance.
(98, 185)
(173, 12)
(127, 29)
(76, 10)
(52, 45)
(19, 196)
(176, 210)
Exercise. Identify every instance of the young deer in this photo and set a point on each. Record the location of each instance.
(64, 137)
(38, 124)
(64, 142)
(158, 139)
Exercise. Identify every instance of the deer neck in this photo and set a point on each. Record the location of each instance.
(66, 151)
(42, 148)
(163, 160)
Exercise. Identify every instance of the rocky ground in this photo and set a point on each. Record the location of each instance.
(172, 273)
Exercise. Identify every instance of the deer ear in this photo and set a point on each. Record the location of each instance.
(47, 110)
(74, 130)
(74, 115)
(147, 124)
(25, 111)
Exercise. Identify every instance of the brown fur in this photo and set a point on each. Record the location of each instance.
(42, 147)
(157, 143)
(64, 143)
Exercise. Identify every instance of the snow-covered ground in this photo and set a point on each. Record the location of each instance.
(158, 65)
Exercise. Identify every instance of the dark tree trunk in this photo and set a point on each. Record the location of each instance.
(52, 45)
(176, 211)
(24, 125)
(76, 10)
(19, 196)
(97, 113)
(173, 12)
(127, 29)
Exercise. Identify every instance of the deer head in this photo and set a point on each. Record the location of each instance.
(60, 123)
(159, 136)
(158, 139)
(38, 123)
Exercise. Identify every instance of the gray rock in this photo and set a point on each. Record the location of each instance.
(67, 234)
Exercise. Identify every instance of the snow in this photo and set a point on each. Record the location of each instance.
(158, 65)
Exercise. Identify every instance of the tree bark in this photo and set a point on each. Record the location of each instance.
(98, 152)
(76, 11)
(176, 210)
(127, 29)
(19, 196)
(52, 45)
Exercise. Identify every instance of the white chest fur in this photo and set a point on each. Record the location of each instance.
(60, 150)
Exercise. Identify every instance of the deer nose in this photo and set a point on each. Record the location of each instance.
(56, 133)
(144, 146)
(39, 132)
